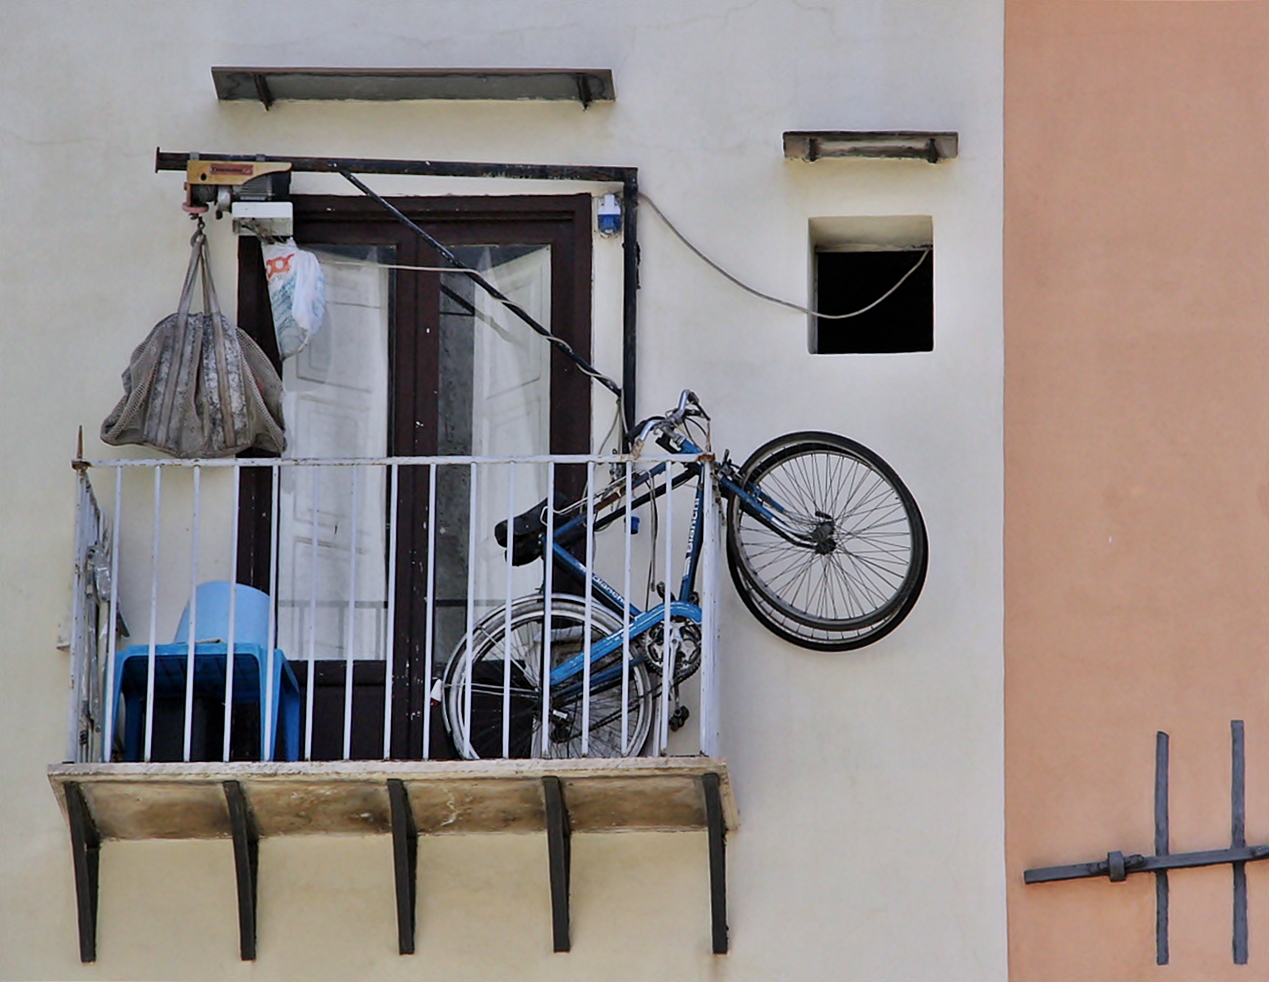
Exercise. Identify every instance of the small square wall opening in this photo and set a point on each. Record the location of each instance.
(881, 270)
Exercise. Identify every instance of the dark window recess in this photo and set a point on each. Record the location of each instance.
(849, 281)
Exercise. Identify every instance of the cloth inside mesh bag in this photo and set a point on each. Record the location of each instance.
(198, 386)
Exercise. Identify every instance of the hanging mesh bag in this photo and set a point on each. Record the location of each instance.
(198, 386)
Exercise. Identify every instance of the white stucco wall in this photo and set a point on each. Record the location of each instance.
(870, 784)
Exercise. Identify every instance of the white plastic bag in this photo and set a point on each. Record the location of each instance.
(297, 294)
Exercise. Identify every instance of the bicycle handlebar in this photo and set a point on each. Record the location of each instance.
(689, 405)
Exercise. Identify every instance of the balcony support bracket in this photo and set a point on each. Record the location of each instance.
(246, 865)
(405, 862)
(86, 852)
(716, 824)
(559, 849)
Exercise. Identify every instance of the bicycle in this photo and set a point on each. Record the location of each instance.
(825, 544)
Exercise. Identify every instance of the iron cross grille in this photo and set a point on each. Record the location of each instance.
(1118, 867)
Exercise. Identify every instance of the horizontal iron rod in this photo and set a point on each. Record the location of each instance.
(167, 160)
(1148, 864)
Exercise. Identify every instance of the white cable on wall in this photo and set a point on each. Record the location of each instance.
(766, 296)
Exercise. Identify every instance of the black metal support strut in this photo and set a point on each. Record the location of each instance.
(559, 854)
(86, 853)
(246, 865)
(717, 828)
(405, 862)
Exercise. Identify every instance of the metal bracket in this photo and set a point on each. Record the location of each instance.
(405, 862)
(717, 828)
(246, 865)
(86, 852)
(559, 849)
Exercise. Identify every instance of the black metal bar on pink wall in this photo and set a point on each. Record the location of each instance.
(1162, 847)
(1118, 866)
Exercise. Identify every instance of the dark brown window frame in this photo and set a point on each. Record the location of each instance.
(563, 222)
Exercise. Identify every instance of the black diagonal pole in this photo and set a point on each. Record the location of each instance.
(564, 347)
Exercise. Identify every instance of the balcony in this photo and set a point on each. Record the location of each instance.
(396, 655)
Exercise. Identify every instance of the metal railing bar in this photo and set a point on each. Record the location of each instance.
(506, 625)
(589, 605)
(414, 461)
(310, 684)
(625, 620)
(548, 560)
(112, 639)
(230, 642)
(275, 496)
(193, 617)
(351, 632)
(667, 653)
(431, 609)
(389, 632)
(154, 614)
(471, 610)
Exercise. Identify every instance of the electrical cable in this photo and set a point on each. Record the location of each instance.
(766, 296)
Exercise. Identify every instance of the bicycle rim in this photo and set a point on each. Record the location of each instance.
(860, 557)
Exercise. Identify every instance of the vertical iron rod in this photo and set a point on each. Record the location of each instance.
(1238, 835)
(1162, 844)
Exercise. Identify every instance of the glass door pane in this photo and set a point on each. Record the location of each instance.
(335, 400)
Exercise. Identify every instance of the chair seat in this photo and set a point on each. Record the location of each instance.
(251, 684)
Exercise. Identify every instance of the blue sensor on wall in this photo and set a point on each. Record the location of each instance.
(609, 216)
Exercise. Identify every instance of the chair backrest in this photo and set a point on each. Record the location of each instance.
(251, 615)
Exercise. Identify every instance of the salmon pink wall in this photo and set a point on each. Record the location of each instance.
(1137, 469)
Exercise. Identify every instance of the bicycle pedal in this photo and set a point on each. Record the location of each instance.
(679, 717)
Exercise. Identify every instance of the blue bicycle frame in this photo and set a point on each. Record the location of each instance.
(681, 606)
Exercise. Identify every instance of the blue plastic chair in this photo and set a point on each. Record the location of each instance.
(251, 670)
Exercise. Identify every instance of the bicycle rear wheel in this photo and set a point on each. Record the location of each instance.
(499, 720)
(847, 557)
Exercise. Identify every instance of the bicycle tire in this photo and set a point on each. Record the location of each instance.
(485, 737)
(867, 565)
(815, 639)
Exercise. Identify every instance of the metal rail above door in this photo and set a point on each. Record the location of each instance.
(627, 177)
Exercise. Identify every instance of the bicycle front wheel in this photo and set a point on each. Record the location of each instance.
(835, 555)
(493, 700)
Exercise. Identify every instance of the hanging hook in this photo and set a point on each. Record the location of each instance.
(198, 232)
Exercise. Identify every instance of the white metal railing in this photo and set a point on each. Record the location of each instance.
(518, 660)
